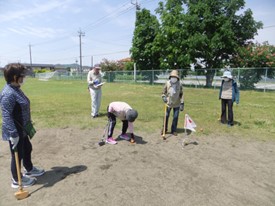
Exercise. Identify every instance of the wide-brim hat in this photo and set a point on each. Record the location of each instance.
(227, 74)
(174, 73)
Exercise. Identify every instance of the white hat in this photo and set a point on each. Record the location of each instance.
(227, 74)
(97, 66)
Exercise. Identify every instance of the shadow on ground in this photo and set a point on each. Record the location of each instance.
(56, 174)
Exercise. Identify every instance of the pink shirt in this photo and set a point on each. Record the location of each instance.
(119, 109)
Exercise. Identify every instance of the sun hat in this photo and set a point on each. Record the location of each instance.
(227, 74)
(174, 73)
(97, 66)
(131, 115)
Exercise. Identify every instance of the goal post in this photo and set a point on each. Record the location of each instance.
(45, 76)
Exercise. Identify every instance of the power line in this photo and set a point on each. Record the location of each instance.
(104, 18)
(104, 21)
(266, 27)
(103, 54)
(122, 9)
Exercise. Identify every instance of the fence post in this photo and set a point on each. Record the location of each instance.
(135, 72)
(153, 77)
(215, 78)
(239, 76)
(265, 78)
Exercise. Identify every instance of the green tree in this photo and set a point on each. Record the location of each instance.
(260, 57)
(142, 52)
(171, 40)
(216, 29)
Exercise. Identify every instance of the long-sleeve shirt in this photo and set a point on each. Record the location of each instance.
(91, 77)
(15, 111)
(119, 109)
(174, 94)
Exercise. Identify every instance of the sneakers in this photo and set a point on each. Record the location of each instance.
(26, 182)
(94, 116)
(111, 140)
(125, 137)
(35, 172)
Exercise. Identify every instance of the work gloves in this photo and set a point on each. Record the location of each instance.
(181, 106)
(164, 98)
(14, 141)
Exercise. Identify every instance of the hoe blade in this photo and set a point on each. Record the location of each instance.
(21, 194)
(101, 143)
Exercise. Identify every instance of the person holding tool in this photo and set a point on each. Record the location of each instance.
(172, 96)
(15, 106)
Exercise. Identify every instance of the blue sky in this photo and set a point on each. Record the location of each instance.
(52, 29)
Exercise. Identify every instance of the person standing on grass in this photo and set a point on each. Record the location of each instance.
(172, 96)
(127, 115)
(229, 93)
(15, 106)
(94, 79)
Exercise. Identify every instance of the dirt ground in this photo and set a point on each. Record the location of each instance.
(217, 171)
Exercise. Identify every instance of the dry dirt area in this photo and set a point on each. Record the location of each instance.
(218, 171)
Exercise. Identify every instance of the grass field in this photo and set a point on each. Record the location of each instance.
(62, 104)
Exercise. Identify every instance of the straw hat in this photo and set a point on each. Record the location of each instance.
(174, 73)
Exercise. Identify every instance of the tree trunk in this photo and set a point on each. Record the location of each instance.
(209, 78)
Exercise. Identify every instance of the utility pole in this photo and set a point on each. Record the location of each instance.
(137, 9)
(30, 51)
(92, 61)
(80, 34)
(136, 4)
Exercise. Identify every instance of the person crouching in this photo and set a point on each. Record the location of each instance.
(127, 115)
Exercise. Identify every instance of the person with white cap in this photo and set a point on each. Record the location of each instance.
(127, 115)
(94, 79)
(172, 95)
(229, 93)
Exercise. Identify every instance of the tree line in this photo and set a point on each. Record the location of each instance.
(208, 34)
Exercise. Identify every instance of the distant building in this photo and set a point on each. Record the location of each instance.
(67, 69)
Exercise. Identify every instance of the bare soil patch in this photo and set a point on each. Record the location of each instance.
(219, 170)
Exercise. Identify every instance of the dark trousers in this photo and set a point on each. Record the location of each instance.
(175, 118)
(24, 148)
(112, 121)
(229, 104)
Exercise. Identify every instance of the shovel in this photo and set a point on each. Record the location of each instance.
(21, 194)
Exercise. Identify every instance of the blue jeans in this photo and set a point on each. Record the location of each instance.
(175, 118)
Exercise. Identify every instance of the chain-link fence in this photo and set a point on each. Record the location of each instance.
(247, 78)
